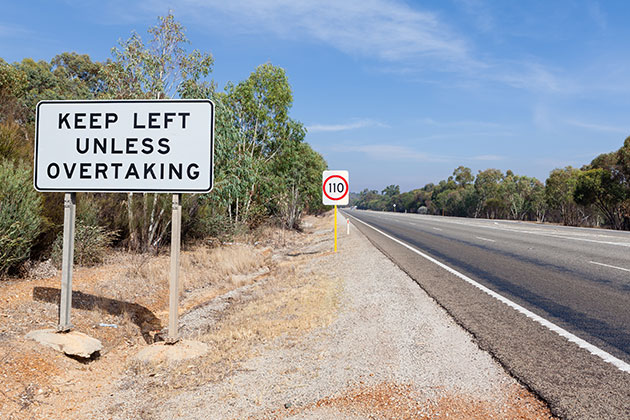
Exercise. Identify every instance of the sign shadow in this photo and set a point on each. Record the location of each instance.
(138, 314)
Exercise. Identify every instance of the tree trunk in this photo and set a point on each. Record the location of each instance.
(130, 217)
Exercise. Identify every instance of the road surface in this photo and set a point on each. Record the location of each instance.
(575, 279)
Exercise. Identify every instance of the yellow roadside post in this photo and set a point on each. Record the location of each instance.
(335, 228)
(335, 188)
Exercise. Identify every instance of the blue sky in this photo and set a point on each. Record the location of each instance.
(396, 92)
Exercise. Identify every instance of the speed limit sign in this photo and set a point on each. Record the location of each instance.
(335, 188)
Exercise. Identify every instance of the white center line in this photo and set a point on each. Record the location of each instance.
(437, 229)
(485, 239)
(608, 265)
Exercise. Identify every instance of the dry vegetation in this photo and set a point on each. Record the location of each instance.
(130, 291)
(284, 307)
(269, 298)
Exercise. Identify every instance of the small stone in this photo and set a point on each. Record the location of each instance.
(72, 343)
(287, 405)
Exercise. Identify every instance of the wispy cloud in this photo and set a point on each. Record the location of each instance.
(344, 127)
(404, 153)
(391, 152)
(461, 123)
(396, 36)
(14, 31)
(595, 12)
(487, 158)
(599, 127)
(481, 17)
(386, 29)
(560, 162)
(529, 75)
(455, 130)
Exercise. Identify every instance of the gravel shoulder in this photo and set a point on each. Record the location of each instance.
(391, 352)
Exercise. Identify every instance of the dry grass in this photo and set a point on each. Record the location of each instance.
(221, 267)
(290, 306)
(286, 306)
(204, 274)
(131, 291)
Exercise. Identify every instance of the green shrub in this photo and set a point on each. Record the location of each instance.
(20, 214)
(208, 222)
(91, 244)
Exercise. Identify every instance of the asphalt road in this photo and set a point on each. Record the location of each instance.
(578, 279)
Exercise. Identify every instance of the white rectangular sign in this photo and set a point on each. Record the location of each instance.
(335, 188)
(124, 146)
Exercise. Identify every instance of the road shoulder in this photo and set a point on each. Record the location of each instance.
(575, 383)
(390, 352)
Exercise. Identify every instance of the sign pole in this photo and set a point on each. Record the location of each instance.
(65, 304)
(176, 229)
(335, 191)
(335, 228)
(347, 226)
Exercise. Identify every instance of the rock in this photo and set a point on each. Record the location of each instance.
(72, 343)
(161, 352)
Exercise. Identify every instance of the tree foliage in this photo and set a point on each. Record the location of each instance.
(20, 214)
(264, 169)
(160, 69)
(596, 195)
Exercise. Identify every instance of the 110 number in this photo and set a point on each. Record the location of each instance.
(338, 187)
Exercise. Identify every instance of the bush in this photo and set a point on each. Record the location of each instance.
(20, 214)
(14, 145)
(208, 222)
(90, 245)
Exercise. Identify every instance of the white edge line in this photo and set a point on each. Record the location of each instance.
(605, 356)
(608, 265)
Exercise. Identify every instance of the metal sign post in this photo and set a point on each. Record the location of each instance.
(69, 214)
(173, 306)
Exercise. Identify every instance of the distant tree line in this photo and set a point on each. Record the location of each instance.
(264, 170)
(597, 194)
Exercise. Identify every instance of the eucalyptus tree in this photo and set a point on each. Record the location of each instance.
(260, 106)
(559, 195)
(161, 69)
(463, 176)
(519, 193)
(605, 185)
(487, 186)
(599, 187)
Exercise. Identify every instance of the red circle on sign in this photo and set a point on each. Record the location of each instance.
(344, 181)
